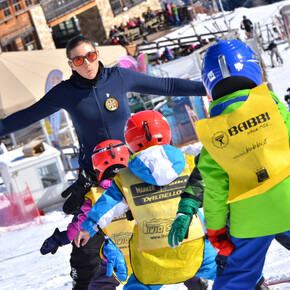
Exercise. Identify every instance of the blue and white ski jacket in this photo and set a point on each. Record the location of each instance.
(157, 165)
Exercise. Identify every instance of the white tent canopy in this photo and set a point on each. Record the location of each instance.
(23, 74)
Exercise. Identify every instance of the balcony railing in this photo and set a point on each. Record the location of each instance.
(54, 9)
(119, 6)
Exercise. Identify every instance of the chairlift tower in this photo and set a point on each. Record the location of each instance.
(214, 5)
(223, 12)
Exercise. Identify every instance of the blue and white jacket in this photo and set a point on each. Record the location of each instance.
(157, 165)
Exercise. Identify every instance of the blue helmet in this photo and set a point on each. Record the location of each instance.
(228, 66)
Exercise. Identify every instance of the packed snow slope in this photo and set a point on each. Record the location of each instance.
(23, 267)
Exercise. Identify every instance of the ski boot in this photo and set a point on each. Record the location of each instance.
(200, 284)
(261, 285)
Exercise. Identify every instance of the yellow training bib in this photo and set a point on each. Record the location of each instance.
(120, 229)
(250, 144)
(149, 204)
(152, 260)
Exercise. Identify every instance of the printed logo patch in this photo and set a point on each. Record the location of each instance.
(220, 139)
(111, 104)
(262, 174)
(157, 226)
(239, 66)
(211, 76)
(144, 193)
(122, 239)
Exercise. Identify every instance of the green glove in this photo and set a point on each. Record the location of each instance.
(186, 209)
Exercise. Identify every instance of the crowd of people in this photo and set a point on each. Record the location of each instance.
(169, 54)
(118, 36)
(117, 33)
(130, 173)
(166, 17)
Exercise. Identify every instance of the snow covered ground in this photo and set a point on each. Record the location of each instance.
(23, 267)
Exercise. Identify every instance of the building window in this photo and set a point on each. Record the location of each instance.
(28, 3)
(65, 31)
(68, 27)
(29, 42)
(17, 5)
(5, 7)
(10, 47)
(118, 6)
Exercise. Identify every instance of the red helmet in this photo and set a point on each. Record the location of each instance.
(108, 156)
(145, 129)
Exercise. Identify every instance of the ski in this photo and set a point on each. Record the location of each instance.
(276, 282)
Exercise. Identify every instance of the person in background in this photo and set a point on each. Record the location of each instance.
(167, 54)
(175, 14)
(247, 25)
(122, 27)
(168, 13)
(244, 164)
(143, 30)
(113, 31)
(131, 24)
(287, 98)
(116, 37)
(272, 47)
(159, 15)
(137, 21)
(108, 157)
(149, 14)
(150, 192)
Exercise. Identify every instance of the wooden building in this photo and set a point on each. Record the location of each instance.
(48, 24)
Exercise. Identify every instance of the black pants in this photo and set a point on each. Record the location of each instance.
(85, 262)
(102, 281)
(284, 240)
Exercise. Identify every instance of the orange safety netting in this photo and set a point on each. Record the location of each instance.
(18, 211)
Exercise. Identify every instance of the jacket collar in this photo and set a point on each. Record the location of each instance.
(86, 82)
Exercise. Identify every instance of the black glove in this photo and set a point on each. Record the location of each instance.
(221, 262)
(76, 193)
(51, 244)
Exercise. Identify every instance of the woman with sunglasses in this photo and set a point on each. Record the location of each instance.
(95, 97)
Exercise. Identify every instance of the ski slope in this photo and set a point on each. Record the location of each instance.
(23, 267)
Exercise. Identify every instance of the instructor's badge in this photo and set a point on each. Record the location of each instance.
(111, 104)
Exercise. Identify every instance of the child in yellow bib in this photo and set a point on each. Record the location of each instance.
(107, 158)
(244, 164)
(151, 187)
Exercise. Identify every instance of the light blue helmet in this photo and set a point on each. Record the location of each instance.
(228, 66)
